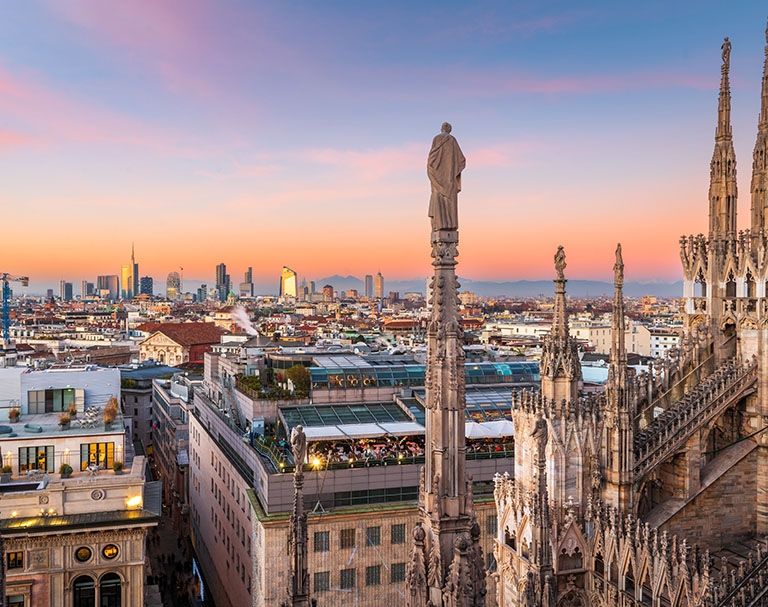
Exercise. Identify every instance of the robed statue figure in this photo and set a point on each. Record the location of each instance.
(444, 167)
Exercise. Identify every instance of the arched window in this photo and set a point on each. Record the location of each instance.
(110, 590)
(730, 286)
(599, 565)
(83, 592)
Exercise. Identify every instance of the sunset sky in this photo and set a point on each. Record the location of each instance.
(296, 133)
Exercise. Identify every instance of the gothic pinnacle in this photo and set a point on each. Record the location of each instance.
(724, 103)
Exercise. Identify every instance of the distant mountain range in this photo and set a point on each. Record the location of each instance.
(515, 288)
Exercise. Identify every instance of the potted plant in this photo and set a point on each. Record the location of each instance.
(65, 470)
(14, 414)
(64, 420)
(72, 410)
(118, 467)
(6, 474)
(110, 412)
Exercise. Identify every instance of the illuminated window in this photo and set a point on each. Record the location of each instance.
(15, 560)
(36, 458)
(110, 551)
(97, 454)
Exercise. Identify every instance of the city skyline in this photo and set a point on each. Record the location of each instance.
(151, 123)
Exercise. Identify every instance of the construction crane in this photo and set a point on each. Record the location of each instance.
(7, 279)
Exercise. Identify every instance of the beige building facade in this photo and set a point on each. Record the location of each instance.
(78, 542)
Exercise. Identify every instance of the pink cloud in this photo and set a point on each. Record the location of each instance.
(50, 116)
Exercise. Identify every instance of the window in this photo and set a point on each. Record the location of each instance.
(36, 458)
(322, 541)
(97, 454)
(373, 575)
(83, 554)
(109, 590)
(491, 524)
(322, 581)
(397, 533)
(54, 400)
(397, 573)
(347, 538)
(83, 592)
(15, 560)
(347, 579)
(15, 600)
(373, 536)
(110, 551)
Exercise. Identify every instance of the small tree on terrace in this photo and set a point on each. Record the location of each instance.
(299, 376)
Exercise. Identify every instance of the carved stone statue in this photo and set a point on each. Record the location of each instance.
(618, 267)
(560, 262)
(540, 436)
(444, 167)
(299, 445)
(726, 51)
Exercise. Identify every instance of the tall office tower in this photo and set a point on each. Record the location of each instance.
(289, 285)
(222, 281)
(86, 289)
(126, 282)
(328, 293)
(173, 286)
(246, 287)
(108, 286)
(49, 293)
(202, 293)
(312, 287)
(65, 290)
(135, 287)
(249, 274)
(146, 286)
(378, 286)
(369, 286)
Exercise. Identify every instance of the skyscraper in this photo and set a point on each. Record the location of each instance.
(146, 286)
(173, 286)
(108, 286)
(222, 281)
(369, 286)
(202, 293)
(86, 289)
(246, 287)
(65, 290)
(134, 274)
(378, 286)
(126, 283)
(289, 286)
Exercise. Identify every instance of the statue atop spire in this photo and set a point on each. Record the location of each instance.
(446, 567)
(560, 263)
(298, 584)
(560, 366)
(722, 188)
(618, 267)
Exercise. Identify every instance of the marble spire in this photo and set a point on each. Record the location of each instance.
(298, 583)
(560, 366)
(722, 189)
(446, 567)
(759, 185)
(618, 458)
